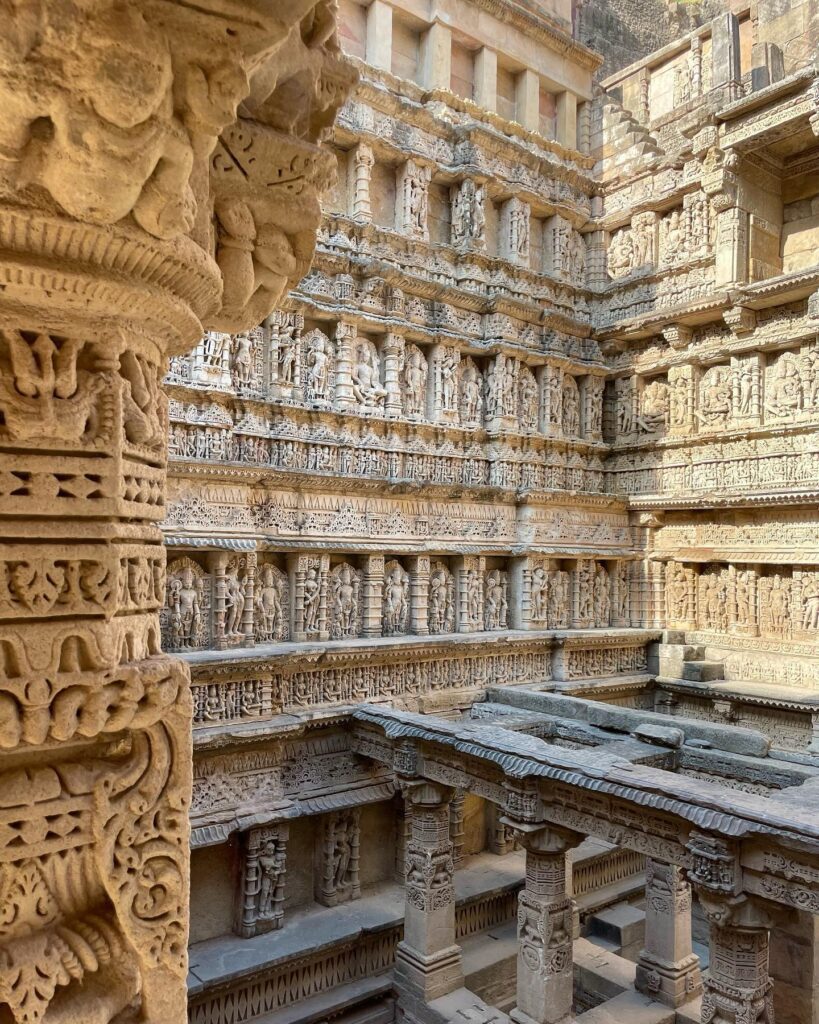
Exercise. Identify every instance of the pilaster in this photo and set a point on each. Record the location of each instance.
(428, 960)
(668, 969)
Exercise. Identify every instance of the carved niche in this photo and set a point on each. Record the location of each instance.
(271, 604)
(441, 601)
(318, 362)
(396, 599)
(185, 620)
(260, 902)
(345, 601)
(339, 858)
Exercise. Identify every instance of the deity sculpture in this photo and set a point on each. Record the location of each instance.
(470, 393)
(441, 600)
(317, 362)
(234, 605)
(624, 403)
(468, 218)
(185, 603)
(367, 387)
(345, 588)
(528, 400)
(570, 407)
(495, 600)
(602, 597)
(242, 359)
(810, 604)
(621, 254)
(674, 248)
(715, 396)
(575, 259)
(779, 605)
(448, 363)
(312, 594)
(654, 406)
(474, 597)
(396, 600)
(415, 381)
(270, 614)
(539, 595)
(271, 861)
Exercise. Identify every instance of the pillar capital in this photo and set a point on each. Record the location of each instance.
(547, 840)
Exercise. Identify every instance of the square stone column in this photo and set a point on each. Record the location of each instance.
(545, 975)
(428, 961)
(379, 35)
(436, 57)
(668, 969)
(345, 342)
(486, 78)
(567, 120)
(527, 99)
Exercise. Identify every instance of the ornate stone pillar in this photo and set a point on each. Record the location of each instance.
(373, 595)
(393, 364)
(361, 165)
(737, 985)
(345, 339)
(419, 570)
(260, 907)
(428, 961)
(545, 926)
(217, 564)
(248, 627)
(456, 826)
(134, 215)
(668, 969)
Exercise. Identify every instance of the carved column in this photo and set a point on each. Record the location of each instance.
(373, 595)
(361, 165)
(545, 911)
(217, 563)
(419, 569)
(260, 907)
(393, 364)
(131, 222)
(737, 985)
(469, 582)
(456, 826)
(428, 961)
(668, 968)
(345, 340)
(248, 627)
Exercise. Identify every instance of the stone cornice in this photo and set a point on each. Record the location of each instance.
(249, 663)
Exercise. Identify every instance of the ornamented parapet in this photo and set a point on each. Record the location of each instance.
(133, 215)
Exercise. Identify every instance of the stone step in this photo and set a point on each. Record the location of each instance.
(703, 671)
